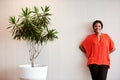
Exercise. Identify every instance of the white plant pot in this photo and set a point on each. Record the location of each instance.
(33, 73)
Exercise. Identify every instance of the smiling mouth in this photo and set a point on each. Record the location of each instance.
(96, 30)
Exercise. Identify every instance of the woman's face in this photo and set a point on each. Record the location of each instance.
(97, 28)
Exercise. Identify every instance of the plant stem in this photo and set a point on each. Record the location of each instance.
(32, 62)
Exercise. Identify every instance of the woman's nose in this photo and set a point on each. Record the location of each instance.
(97, 27)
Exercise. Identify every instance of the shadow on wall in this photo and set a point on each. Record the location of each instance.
(2, 74)
(83, 67)
(9, 73)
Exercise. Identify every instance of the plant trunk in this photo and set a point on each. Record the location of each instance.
(32, 62)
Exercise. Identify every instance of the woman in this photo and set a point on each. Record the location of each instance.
(97, 47)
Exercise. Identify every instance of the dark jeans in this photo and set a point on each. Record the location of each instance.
(98, 72)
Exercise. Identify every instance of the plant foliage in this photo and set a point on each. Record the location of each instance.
(33, 25)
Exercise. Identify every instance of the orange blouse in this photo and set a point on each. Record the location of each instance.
(98, 51)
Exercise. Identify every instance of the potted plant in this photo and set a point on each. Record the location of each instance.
(32, 25)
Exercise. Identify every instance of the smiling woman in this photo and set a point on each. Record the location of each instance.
(97, 47)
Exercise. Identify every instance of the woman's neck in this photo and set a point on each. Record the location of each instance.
(98, 34)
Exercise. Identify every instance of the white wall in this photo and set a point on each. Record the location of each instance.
(72, 19)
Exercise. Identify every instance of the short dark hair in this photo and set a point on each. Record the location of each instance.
(98, 21)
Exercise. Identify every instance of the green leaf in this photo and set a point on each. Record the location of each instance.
(12, 20)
